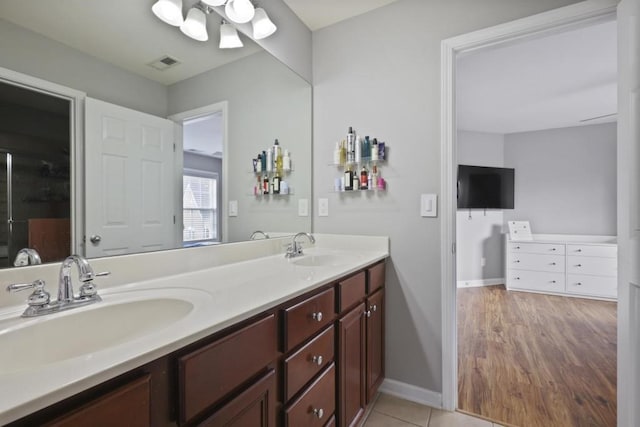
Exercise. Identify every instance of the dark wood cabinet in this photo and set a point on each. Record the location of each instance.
(126, 406)
(255, 407)
(375, 343)
(351, 366)
(315, 360)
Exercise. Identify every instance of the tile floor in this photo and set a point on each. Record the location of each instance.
(389, 411)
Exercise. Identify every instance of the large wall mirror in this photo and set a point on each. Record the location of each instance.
(221, 109)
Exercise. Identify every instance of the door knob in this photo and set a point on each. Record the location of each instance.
(95, 239)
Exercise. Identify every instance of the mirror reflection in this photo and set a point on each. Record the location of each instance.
(220, 109)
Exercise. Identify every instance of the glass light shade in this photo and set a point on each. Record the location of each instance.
(214, 2)
(229, 38)
(263, 27)
(169, 11)
(195, 26)
(239, 11)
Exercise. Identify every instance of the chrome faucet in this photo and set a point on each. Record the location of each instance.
(39, 302)
(27, 256)
(295, 248)
(257, 233)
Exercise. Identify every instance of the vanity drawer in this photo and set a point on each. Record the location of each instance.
(537, 262)
(376, 277)
(593, 250)
(316, 405)
(211, 372)
(127, 405)
(536, 281)
(592, 285)
(305, 363)
(592, 265)
(304, 319)
(351, 291)
(536, 248)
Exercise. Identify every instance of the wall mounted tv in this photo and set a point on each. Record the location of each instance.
(482, 187)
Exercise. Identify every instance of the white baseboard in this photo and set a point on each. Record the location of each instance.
(483, 282)
(411, 393)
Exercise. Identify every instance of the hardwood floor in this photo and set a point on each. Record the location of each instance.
(536, 360)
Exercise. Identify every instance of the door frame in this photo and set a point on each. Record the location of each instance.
(557, 20)
(180, 118)
(76, 135)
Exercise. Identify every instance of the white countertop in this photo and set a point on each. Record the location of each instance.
(223, 295)
(569, 239)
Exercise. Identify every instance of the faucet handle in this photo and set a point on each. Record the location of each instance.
(89, 289)
(38, 297)
(103, 273)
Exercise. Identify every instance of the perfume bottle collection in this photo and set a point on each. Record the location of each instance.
(270, 166)
(360, 158)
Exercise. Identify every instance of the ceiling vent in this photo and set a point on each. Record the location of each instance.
(164, 63)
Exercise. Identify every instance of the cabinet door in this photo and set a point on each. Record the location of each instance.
(126, 406)
(351, 368)
(255, 407)
(375, 343)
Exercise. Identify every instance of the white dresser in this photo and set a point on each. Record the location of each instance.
(584, 266)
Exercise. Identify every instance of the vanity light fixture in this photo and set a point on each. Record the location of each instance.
(263, 27)
(229, 38)
(170, 11)
(195, 26)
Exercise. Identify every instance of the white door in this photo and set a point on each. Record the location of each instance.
(629, 213)
(130, 181)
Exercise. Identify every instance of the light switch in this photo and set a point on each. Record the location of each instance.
(303, 207)
(428, 205)
(233, 208)
(323, 207)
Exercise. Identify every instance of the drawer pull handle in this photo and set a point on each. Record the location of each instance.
(374, 307)
(578, 250)
(553, 263)
(578, 265)
(317, 360)
(553, 281)
(367, 313)
(553, 249)
(517, 260)
(517, 247)
(317, 316)
(517, 278)
(318, 412)
(578, 284)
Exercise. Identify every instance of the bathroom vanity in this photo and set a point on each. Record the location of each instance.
(302, 345)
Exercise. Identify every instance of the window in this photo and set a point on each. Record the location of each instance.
(199, 208)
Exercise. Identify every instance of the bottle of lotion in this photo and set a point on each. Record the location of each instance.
(286, 161)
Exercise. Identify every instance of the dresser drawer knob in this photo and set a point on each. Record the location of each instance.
(517, 247)
(578, 284)
(317, 360)
(517, 261)
(553, 281)
(317, 316)
(553, 249)
(367, 313)
(318, 412)
(578, 250)
(516, 278)
(553, 263)
(374, 307)
(578, 265)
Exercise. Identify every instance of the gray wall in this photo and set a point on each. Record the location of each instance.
(30, 53)
(266, 101)
(478, 233)
(565, 180)
(380, 72)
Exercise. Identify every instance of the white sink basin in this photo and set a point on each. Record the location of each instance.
(119, 318)
(320, 260)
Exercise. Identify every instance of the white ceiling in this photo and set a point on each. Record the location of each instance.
(204, 135)
(544, 83)
(318, 14)
(125, 33)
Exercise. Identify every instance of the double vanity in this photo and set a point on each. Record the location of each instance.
(237, 334)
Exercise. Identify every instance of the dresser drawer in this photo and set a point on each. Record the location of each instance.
(376, 277)
(304, 319)
(593, 250)
(316, 405)
(351, 291)
(537, 262)
(305, 363)
(211, 372)
(536, 281)
(592, 285)
(592, 265)
(536, 248)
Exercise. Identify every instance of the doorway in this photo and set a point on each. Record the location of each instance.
(582, 14)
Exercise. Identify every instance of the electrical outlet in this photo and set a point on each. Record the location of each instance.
(323, 207)
(233, 208)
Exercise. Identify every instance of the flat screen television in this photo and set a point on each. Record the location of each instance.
(481, 187)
